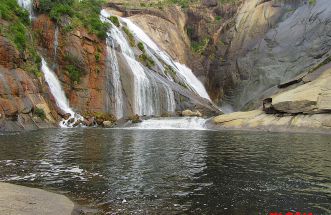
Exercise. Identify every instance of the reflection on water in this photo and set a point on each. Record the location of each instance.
(174, 171)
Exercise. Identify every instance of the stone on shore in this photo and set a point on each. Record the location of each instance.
(15, 199)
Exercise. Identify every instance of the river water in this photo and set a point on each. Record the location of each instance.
(174, 171)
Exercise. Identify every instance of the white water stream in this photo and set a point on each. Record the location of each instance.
(27, 5)
(59, 95)
(169, 123)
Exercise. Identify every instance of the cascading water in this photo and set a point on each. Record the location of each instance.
(186, 73)
(147, 91)
(51, 79)
(116, 78)
(58, 93)
(183, 123)
(27, 5)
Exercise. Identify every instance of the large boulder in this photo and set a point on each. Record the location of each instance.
(312, 97)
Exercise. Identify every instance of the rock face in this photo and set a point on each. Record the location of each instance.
(270, 42)
(25, 102)
(310, 98)
(83, 51)
(94, 92)
(258, 120)
(167, 29)
(16, 199)
(305, 108)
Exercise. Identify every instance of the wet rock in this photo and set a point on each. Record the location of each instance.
(135, 119)
(190, 113)
(77, 123)
(66, 116)
(71, 120)
(108, 124)
(89, 121)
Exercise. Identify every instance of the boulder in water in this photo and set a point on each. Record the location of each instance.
(190, 113)
(89, 121)
(135, 119)
(108, 124)
(71, 120)
(77, 123)
(66, 116)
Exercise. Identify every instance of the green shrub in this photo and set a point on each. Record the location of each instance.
(82, 13)
(18, 34)
(141, 47)
(74, 73)
(97, 57)
(200, 46)
(169, 71)
(115, 21)
(130, 36)
(146, 60)
(40, 113)
(312, 2)
(60, 10)
(190, 31)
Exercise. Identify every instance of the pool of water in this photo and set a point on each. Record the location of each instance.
(174, 171)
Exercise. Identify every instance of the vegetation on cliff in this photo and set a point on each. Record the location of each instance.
(80, 13)
(15, 26)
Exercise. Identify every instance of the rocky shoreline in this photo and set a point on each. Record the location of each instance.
(16, 199)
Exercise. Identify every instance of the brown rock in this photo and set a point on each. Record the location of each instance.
(135, 119)
(108, 124)
(210, 3)
(66, 116)
(190, 113)
(9, 55)
(9, 108)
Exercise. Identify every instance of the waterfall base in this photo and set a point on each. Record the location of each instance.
(169, 123)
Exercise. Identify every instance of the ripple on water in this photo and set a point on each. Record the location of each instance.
(174, 171)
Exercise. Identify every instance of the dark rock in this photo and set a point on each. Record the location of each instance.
(66, 116)
(89, 121)
(210, 3)
(71, 120)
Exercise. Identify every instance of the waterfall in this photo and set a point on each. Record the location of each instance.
(58, 93)
(183, 123)
(115, 79)
(27, 5)
(56, 43)
(147, 91)
(188, 77)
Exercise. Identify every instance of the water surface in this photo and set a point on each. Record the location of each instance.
(174, 171)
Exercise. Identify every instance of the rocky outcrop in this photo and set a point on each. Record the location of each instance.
(259, 120)
(15, 199)
(9, 56)
(270, 42)
(25, 102)
(167, 29)
(306, 107)
(81, 52)
(310, 98)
